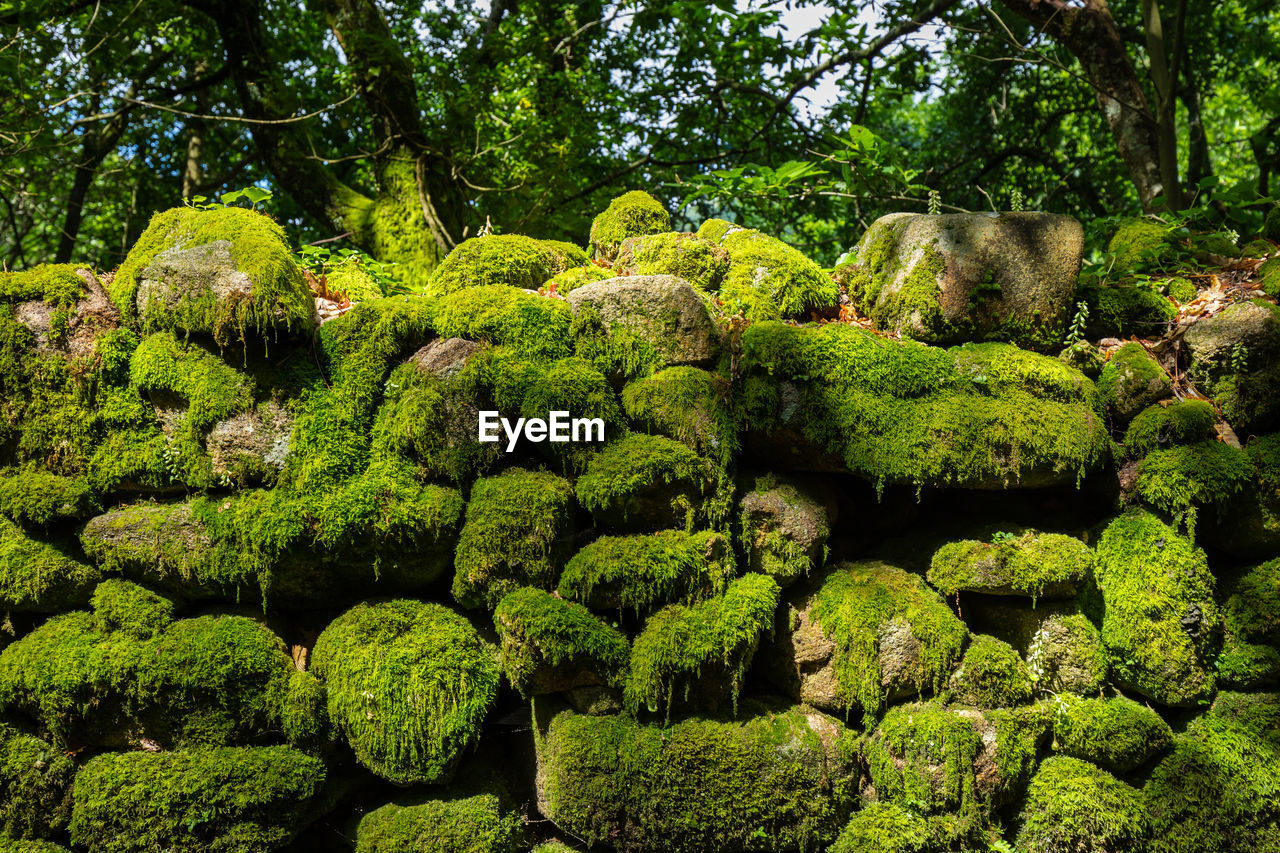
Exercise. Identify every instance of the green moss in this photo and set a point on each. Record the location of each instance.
(700, 262)
(350, 280)
(1181, 480)
(202, 800)
(1158, 426)
(1116, 733)
(640, 573)
(856, 604)
(1122, 311)
(15, 845)
(54, 284)
(512, 260)
(1269, 273)
(643, 479)
(304, 713)
(1067, 653)
(575, 277)
(1074, 806)
(1252, 610)
(767, 279)
(1181, 290)
(533, 325)
(38, 576)
(632, 214)
(35, 786)
(513, 535)
(1271, 223)
(1247, 666)
(474, 825)
(409, 684)
(1142, 244)
(898, 411)
(119, 605)
(1215, 244)
(783, 530)
(687, 404)
(774, 781)
(1084, 357)
(1020, 734)
(433, 421)
(279, 299)
(1032, 564)
(572, 385)
(1160, 620)
(207, 680)
(911, 741)
(539, 629)
(991, 675)
(1132, 380)
(34, 497)
(165, 369)
(1220, 787)
(682, 646)
(885, 828)
(1258, 249)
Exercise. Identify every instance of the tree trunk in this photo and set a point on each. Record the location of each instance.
(1164, 77)
(417, 213)
(1089, 32)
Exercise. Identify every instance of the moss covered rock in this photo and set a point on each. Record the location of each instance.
(644, 572)
(976, 416)
(767, 279)
(700, 262)
(252, 447)
(632, 214)
(784, 530)
(1062, 648)
(37, 498)
(633, 326)
(409, 684)
(40, 576)
(350, 280)
(970, 277)
(532, 325)
(1160, 426)
(1074, 806)
(201, 800)
(1235, 356)
(644, 481)
(772, 781)
(886, 828)
(1116, 733)
(575, 277)
(509, 259)
(1140, 244)
(1218, 788)
(126, 670)
(35, 786)
(228, 273)
(551, 645)
(1124, 310)
(514, 535)
(1160, 622)
(959, 760)
(689, 405)
(991, 675)
(1180, 481)
(870, 634)
(1132, 381)
(473, 825)
(1038, 565)
(697, 655)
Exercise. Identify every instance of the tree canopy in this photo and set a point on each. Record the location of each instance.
(401, 129)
